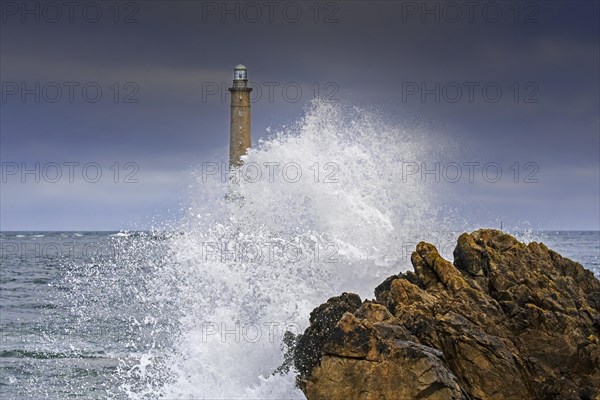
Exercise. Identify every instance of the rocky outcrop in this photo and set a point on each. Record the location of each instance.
(504, 321)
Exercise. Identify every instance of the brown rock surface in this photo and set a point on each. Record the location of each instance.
(505, 321)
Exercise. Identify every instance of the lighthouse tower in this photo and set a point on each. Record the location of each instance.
(239, 129)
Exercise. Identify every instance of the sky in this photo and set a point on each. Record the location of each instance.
(108, 106)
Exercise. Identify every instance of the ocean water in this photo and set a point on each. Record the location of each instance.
(74, 323)
(197, 308)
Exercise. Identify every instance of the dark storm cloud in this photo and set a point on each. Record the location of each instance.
(372, 52)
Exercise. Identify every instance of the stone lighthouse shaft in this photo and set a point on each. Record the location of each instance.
(239, 130)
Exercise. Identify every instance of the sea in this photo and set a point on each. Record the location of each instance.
(197, 308)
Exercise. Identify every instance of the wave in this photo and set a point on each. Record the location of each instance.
(317, 209)
(121, 234)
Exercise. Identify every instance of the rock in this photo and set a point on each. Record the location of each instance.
(288, 345)
(504, 321)
(323, 320)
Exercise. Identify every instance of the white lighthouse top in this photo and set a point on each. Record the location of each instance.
(240, 73)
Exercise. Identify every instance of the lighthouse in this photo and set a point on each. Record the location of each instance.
(239, 129)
